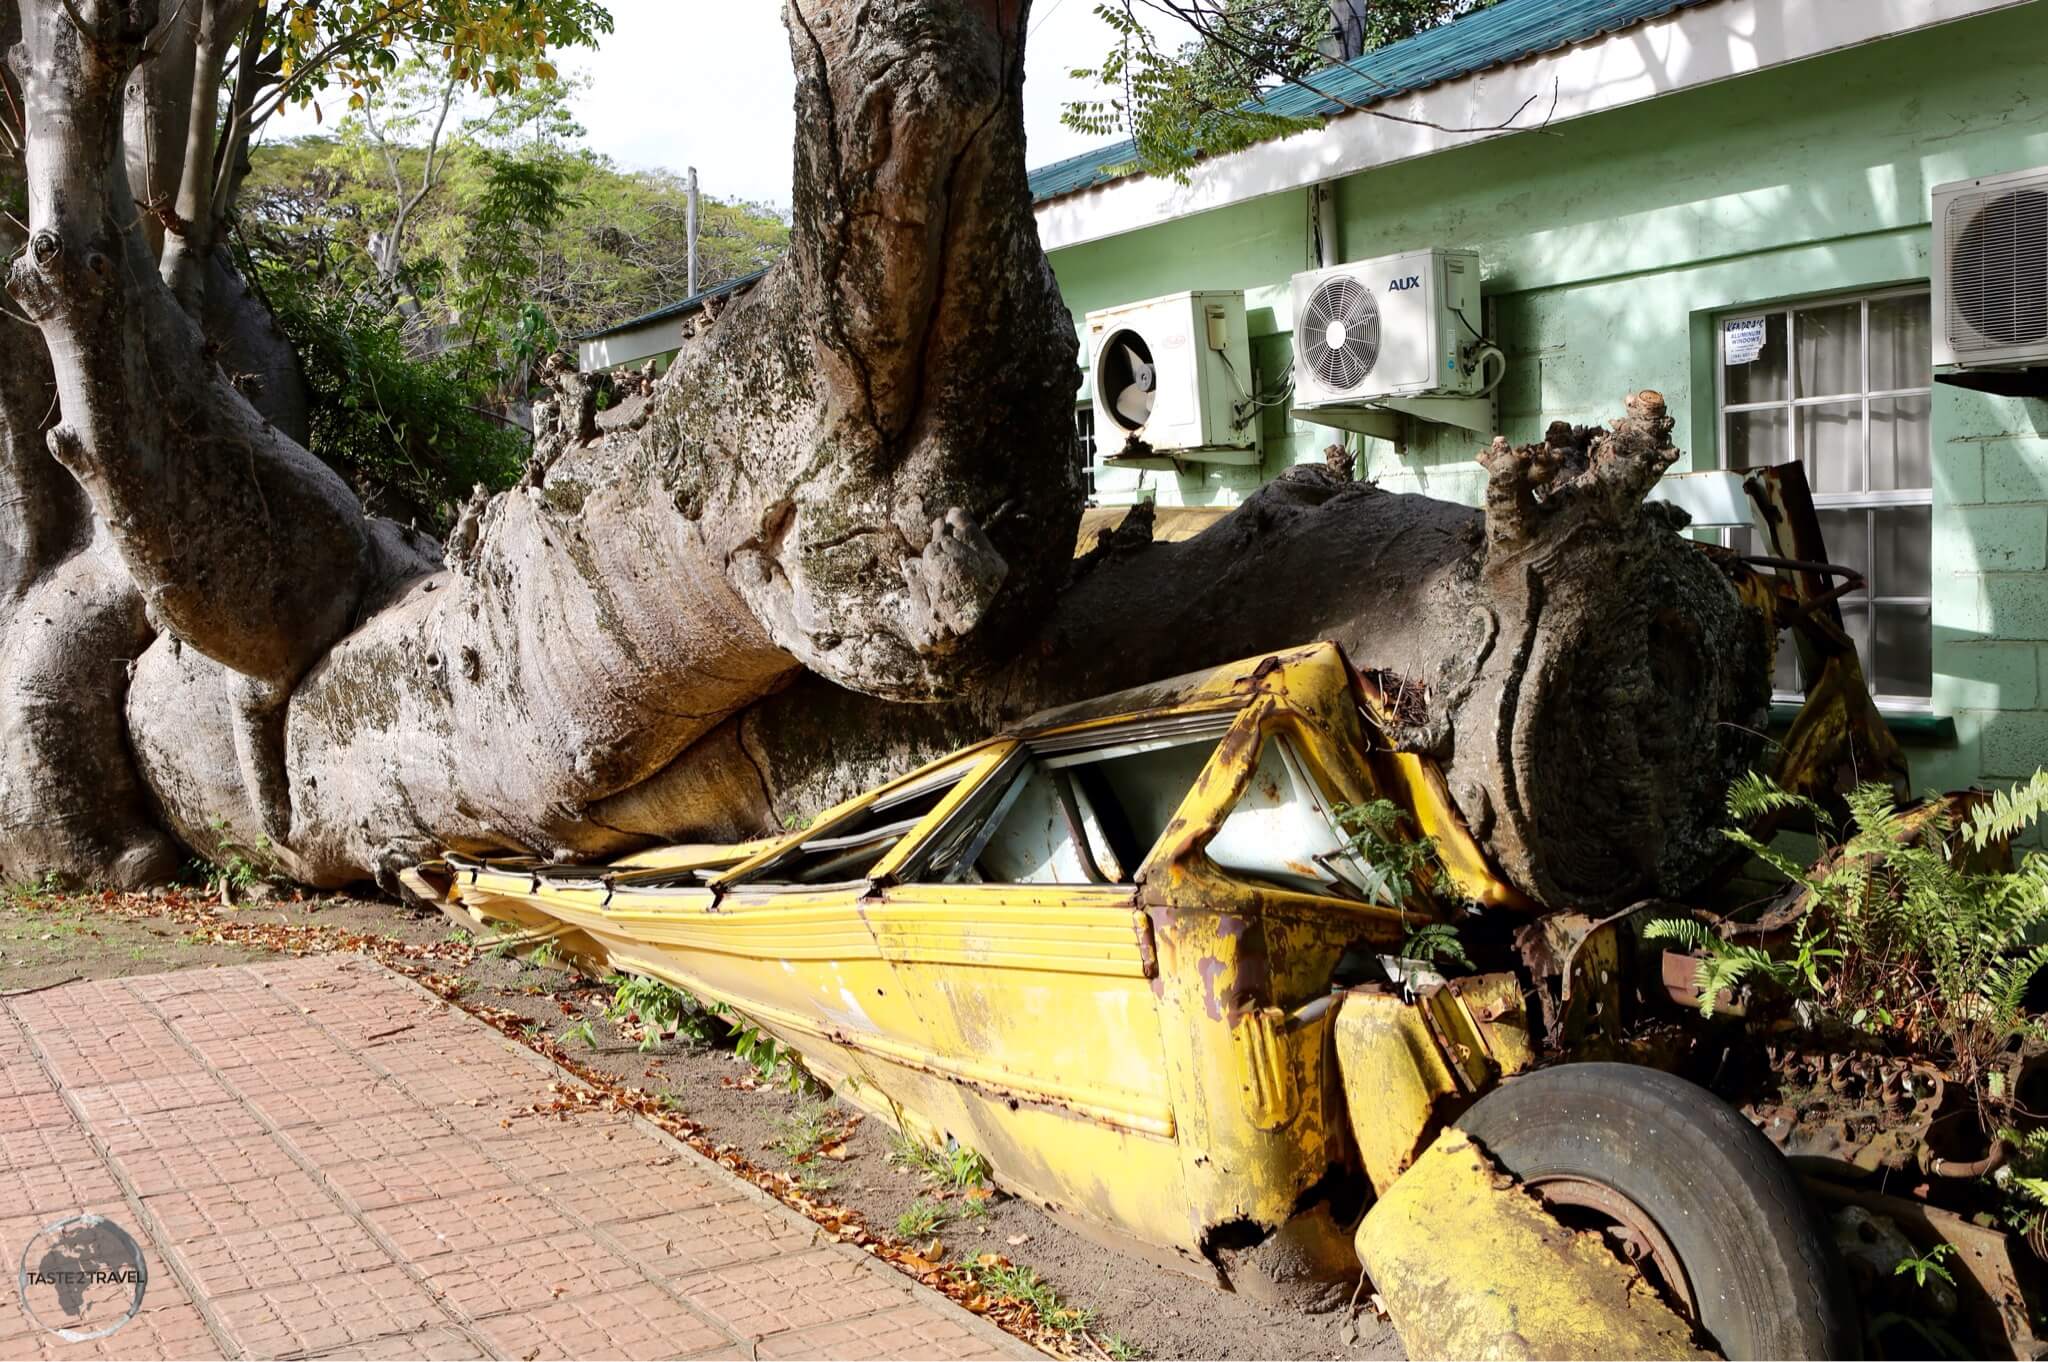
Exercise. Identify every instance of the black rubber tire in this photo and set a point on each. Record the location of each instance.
(1763, 1274)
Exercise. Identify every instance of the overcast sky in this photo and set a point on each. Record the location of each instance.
(708, 83)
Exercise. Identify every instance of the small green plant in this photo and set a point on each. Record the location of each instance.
(1003, 1279)
(461, 936)
(659, 1010)
(1435, 942)
(978, 1208)
(1121, 1349)
(1724, 964)
(813, 1180)
(954, 1168)
(800, 1134)
(920, 1221)
(40, 890)
(2023, 1179)
(1927, 1265)
(1397, 863)
(770, 1059)
(582, 1031)
(239, 866)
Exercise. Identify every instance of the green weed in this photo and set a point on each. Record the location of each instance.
(920, 1221)
(954, 1168)
(799, 1135)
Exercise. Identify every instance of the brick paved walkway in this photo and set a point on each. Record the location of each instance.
(315, 1156)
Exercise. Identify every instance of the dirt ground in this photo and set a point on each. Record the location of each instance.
(47, 940)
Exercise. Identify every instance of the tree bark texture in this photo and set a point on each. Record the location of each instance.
(837, 539)
(71, 803)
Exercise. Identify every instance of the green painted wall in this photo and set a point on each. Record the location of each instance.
(1610, 243)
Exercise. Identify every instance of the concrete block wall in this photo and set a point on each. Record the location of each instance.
(1990, 556)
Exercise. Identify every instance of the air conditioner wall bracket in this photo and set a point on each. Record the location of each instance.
(1387, 418)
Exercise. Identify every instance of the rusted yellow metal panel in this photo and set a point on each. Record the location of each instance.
(1404, 1064)
(1468, 1264)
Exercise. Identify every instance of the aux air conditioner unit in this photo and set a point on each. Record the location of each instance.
(1991, 271)
(1405, 326)
(1172, 381)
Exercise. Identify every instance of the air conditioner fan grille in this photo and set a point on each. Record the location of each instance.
(1339, 332)
(1998, 269)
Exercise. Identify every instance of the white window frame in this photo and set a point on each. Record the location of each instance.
(1084, 447)
(1866, 500)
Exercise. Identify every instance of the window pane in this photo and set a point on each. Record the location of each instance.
(1756, 439)
(1901, 343)
(1831, 445)
(1763, 378)
(1856, 619)
(1902, 546)
(1829, 341)
(1785, 671)
(1847, 537)
(1905, 650)
(1901, 445)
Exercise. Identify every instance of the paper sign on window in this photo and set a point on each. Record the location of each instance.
(1742, 339)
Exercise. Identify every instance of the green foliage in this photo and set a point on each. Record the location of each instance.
(1002, 1279)
(954, 1168)
(1927, 1265)
(658, 1009)
(1724, 964)
(2007, 813)
(39, 890)
(411, 435)
(1435, 942)
(2023, 1180)
(520, 199)
(1920, 947)
(801, 1133)
(1398, 861)
(491, 46)
(921, 1220)
(813, 1180)
(237, 866)
(1180, 102)
(582, 1031)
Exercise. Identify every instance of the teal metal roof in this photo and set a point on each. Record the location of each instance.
(682, 307)
(1494, 36)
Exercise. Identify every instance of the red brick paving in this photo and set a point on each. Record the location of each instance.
(322, 1161)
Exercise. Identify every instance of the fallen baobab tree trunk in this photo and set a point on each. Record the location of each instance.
(838, 537)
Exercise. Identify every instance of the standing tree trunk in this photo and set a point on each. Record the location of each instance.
(71, 804)
(837, 538)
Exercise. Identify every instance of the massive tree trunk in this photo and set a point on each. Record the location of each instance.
(837, 540)
(71, 804)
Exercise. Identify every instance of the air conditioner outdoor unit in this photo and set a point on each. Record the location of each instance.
(1991, 271)
(1172, 381)
(1403, 326)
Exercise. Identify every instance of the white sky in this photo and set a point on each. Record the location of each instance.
(708, 83)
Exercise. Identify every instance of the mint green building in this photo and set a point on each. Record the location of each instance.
(1768, 162)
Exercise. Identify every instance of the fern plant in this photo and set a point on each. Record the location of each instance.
(1919, 945)
(1725, 964)
(1397, 862)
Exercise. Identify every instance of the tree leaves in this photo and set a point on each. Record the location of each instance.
(1206, 96)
